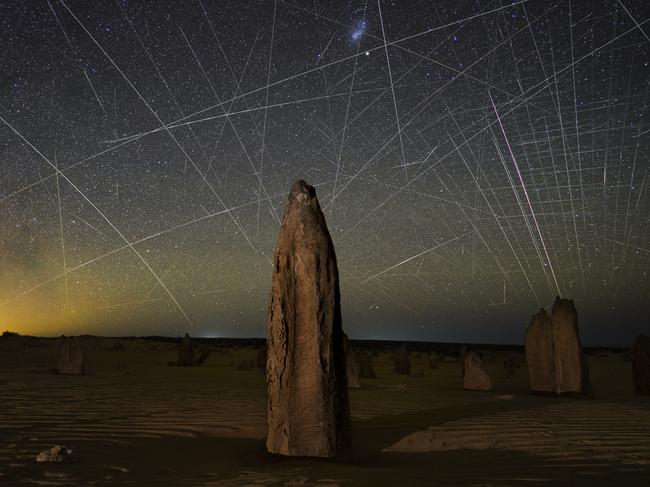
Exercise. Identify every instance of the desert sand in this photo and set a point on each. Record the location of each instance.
(134, 419)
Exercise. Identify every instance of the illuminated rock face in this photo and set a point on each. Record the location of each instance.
(308, 412)
(402, 361)
(571, 373)
(540, 354)
(475, 377)
(69, 357)
(186, 357)
(641, 364)
(556, 362)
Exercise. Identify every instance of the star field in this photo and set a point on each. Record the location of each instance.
(473, 160)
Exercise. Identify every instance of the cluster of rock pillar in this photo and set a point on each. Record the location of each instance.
(556, 362)
(309, 362)
(308, 357)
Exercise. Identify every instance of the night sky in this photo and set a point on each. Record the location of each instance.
(474, 159)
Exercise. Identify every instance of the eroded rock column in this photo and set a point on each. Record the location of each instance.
(540, 354)
(308, 412)
(571, 372)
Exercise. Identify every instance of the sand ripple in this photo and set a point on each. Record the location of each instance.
(576, 430)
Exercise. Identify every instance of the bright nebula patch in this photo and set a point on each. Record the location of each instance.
(359, 31)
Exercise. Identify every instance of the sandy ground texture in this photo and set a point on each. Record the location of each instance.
(135, 420)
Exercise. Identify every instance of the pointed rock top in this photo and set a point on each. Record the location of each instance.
(302, 199)
(563, 307)
(304, 228)
(542, 315)
(563, 302)
(301, 191)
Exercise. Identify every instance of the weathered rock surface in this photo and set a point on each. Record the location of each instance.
(540, 354)
(366, 370)
(308, 411)
(556, 363)
(571, 373)
(351, 365)
(475, 378)
(641, 364)
(186, 357)
(402, 361)
(69, 357)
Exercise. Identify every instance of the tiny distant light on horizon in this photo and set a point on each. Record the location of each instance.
(472, 159)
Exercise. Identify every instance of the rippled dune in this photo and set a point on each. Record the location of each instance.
(143, 421)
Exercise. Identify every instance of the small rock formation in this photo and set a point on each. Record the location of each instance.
(475, 378)
(246, 365)
(402, 361)
(641, 364)
(186, 357)
(69, 357)
(462, 353)
(308, 412)
(57, 454)
(366, 370)
(511, 364)
(571, 373)
(351, 365)
(434, 363)
(261, 359)
(540, 354)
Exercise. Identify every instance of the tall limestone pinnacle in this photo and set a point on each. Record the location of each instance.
(540, 354)
(308, 411)
(556, 362)
(571, 372)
